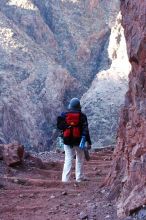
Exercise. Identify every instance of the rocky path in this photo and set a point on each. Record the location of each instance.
(34, 191)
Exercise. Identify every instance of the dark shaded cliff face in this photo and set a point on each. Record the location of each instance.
(80, 38)
(128, 175)
(50, 52)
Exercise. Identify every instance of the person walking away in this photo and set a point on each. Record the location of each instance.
(74, 127)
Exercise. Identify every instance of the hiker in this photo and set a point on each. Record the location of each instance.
(74, 127)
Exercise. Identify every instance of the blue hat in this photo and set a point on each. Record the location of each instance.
(74, 104)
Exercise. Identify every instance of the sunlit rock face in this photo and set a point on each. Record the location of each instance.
(103, 100)
(128, 174)
(50, 52)
(26, 16)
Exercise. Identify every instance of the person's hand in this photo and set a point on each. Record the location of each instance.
(88, 146)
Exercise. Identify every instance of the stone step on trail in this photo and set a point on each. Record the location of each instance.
(53, 171)
(56, 175)
(52, 183)
(99, 155)
(30, 190)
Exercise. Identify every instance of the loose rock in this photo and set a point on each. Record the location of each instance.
(13, 153)
(64, 193)
(83, 215)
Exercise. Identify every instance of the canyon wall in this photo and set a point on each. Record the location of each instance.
(104, 98)
(32, 88)
(128, 174)
(51, 51)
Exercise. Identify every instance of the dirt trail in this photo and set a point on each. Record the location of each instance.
(35, 192)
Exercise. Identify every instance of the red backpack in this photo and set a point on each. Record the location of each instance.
(72, 134)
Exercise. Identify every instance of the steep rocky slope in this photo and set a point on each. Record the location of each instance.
(70, 32)
(50, 52)
(104, 98)
(28, 95)
(128, 175)
(80, 35)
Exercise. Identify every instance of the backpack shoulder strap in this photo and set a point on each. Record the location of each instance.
(61, 124)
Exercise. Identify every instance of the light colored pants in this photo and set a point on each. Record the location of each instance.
(69, 156)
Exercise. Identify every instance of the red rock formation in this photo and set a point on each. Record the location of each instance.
(128, 174)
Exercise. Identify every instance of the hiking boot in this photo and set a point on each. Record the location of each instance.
(82, 179)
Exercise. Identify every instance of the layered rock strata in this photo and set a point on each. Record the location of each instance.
(128, 174)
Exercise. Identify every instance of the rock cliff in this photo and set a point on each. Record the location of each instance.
(104, 98)
(128, 174)
(28, 95)
(51, 51)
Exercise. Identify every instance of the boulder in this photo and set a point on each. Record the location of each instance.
(13, 153)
